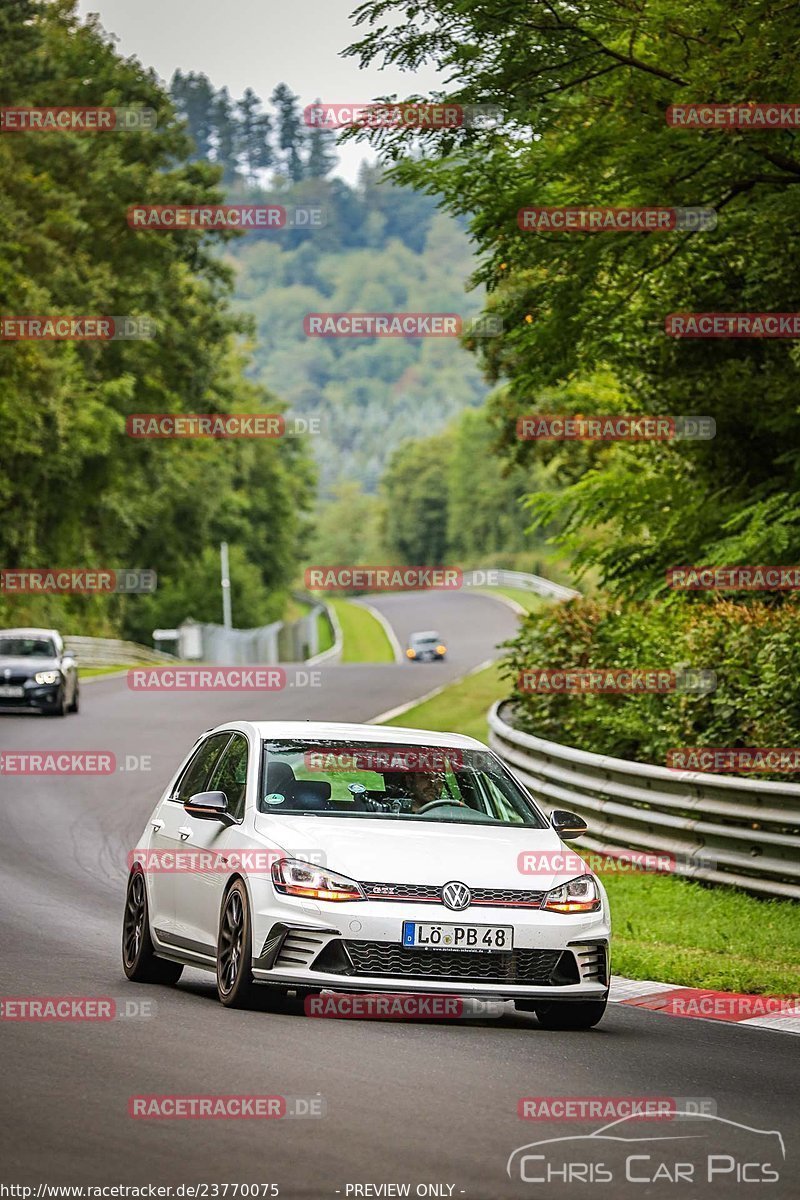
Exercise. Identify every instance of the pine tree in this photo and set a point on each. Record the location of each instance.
(193, 96)
(254, 129)
(225, 135)
(291, 131)
(321, 157)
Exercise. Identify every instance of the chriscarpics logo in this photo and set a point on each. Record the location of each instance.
(695, 1150)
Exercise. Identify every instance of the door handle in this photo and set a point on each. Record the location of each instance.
(157, 824)
(185, 832)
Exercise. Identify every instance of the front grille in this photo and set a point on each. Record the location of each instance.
(430, 893)
(491, 966)
(15, 678)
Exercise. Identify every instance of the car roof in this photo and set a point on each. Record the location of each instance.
(29, 632)
(339, 731)
(425, 633)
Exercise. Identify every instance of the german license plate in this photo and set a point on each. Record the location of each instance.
(426, 936)
(10, 692)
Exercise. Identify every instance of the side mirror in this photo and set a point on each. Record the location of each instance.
(209, 806)
(567, 825)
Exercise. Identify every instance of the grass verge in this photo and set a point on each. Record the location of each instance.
(90, 672)
(459, 708)
(528, 600)
(324, 633)
(364, 637)
(665, 928)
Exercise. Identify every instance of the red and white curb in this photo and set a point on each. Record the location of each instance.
(779, 1013)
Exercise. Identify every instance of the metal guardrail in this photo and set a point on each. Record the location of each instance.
(499, 577)
(110, 652)
(279, 642)
(715, 828)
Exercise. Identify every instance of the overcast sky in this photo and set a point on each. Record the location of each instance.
(257, 44)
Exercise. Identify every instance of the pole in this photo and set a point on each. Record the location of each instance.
(226, 585)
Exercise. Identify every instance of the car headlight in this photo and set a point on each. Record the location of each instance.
(579, 895)
(411, 653)
(292, 877)
(47, 676)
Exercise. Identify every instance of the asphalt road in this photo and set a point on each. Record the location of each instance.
(417, 1103)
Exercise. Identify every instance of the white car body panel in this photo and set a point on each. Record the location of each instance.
(185, 906)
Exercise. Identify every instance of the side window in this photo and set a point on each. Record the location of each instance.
(230, 775)
(200, 766)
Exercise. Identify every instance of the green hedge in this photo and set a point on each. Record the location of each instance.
(753, 647)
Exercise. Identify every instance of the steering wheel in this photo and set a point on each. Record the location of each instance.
(436, 804)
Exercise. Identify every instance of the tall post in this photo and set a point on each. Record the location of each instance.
(226, 586)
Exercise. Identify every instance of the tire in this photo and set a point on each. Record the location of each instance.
(139, 961)
(235, 985)
(60, 709)
(73, 708)
(565, 1014)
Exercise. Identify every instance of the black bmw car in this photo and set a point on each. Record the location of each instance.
(37, 672)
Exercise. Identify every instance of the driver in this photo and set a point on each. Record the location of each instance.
(424, 787)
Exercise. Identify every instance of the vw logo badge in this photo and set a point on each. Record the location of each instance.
(456, 896)
(7, 673)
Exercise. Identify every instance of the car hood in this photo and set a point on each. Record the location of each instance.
(424, 851)
(31, 665)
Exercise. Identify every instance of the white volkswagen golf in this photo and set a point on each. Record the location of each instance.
(315, 857)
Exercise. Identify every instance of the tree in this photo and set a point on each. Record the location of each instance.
(321, 158)
(415, 492)
(193, 97)
(291, 131)
(226, 135)
(75, 489)
(584, 86)
(347, 528)
(253, 135)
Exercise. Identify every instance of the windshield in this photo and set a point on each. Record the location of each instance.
(426, 641)
(26, 647)
(385, 781)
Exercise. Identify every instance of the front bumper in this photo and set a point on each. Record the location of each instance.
(555, 956)
(41, 696)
